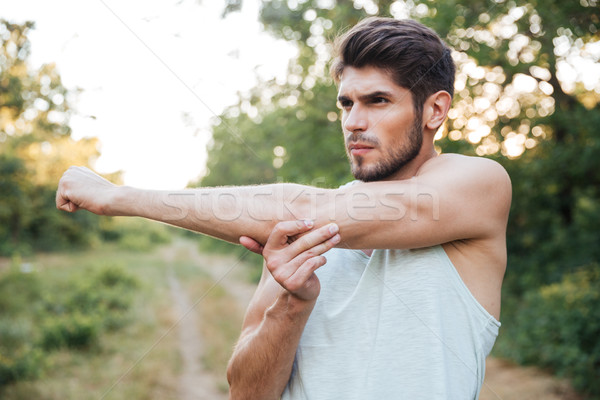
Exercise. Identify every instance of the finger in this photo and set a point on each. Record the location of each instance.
(251, 244)
(313, 239)
(316, 250)
(283, 270)
(298, 280)
(64, 204)
(283, 230)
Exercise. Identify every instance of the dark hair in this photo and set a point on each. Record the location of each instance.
(412, 53)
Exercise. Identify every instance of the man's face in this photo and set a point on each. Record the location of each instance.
(381, 132)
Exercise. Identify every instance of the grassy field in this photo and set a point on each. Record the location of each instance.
(141, 358)
(138, 354)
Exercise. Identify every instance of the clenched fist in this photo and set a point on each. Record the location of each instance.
(79, 187)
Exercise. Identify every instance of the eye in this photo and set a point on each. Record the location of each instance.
(345, 104)
(379, 100)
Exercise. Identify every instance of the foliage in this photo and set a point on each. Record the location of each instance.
(35, 149)
(134, 233)
(522, 98)
(558, 326)
(276, 146)
(72, 314)
(19, 360)
(72, 330)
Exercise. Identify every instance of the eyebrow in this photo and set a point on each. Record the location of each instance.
(368, 96)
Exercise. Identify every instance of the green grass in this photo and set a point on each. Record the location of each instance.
(90, 371)
(134, 354)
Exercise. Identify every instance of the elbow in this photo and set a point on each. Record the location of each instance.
(238, 390)
(234, 387)
(241, 389)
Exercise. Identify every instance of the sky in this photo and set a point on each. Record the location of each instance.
(152, 74)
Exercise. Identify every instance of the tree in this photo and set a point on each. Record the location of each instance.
(36, 147)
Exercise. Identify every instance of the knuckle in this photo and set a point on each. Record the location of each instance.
(272, 264)
(304, 242)
(276, 274)
(324, 233)
(276, 229)
(292, 285)
(317, 262)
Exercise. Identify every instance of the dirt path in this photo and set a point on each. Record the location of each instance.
(505, 381)
(227, 271)
(195, 382)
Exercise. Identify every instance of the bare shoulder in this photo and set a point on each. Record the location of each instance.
(460, 164)
(477, 188)
(476, 173)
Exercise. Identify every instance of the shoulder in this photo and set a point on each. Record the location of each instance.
(457, 163)
(477, 183)
(476, 172)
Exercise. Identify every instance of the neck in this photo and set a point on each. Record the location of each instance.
(411, 169)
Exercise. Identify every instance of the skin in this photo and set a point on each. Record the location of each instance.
(458, 202)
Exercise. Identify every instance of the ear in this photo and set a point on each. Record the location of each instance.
(436, 109)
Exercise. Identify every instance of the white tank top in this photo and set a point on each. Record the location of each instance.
(398, 325)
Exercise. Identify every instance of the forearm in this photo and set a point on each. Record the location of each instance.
(262, 361)
(369, 215)
(226, 212)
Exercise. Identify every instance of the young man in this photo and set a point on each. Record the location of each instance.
(408, 304)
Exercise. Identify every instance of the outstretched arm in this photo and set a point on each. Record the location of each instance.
(224, 212)
(451, 198)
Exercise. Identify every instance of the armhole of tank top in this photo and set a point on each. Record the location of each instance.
(490, 319)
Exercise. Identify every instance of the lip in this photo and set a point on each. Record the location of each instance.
(357, 149)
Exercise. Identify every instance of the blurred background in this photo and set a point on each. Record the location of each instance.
(167, 94)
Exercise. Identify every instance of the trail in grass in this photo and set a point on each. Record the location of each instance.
(196, 383)
(506, 381)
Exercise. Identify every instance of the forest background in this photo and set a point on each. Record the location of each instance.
(521, 99)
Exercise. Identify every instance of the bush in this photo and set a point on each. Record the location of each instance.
(558, 326)
(40, 313)
(18, 291)
(71, 331)
(97, 300)
(108, 289)
(18, 359)
(135, 234)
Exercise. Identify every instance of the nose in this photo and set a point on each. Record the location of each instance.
(356, 119)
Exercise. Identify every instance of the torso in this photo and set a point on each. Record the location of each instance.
(482, 278)
(398, 323)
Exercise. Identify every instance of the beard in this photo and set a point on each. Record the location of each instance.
(393, 159)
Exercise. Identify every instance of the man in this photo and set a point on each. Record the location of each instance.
(408, 304)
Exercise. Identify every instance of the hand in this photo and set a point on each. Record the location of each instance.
(81, 188)
(293, 265)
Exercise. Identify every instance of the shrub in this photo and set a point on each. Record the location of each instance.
(97, 300)
(70, 330)
(558, 326)
(135, 234)
(71, 314)
(18, 359)
(115, 275)
(18, 291)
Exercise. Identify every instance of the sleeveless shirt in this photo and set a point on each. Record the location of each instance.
(400, 324)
